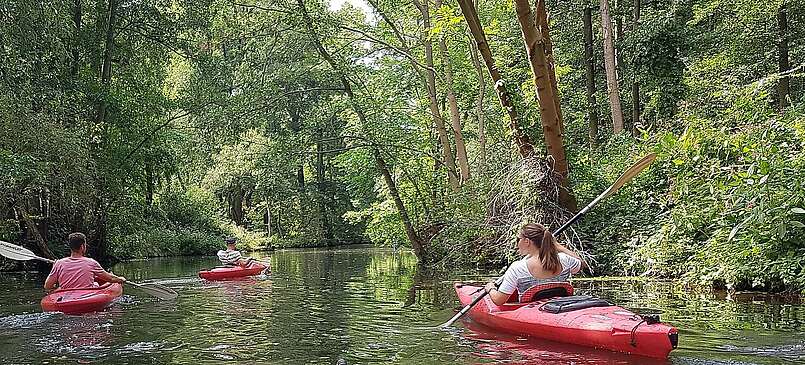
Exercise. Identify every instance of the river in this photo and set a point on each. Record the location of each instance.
(362, 305)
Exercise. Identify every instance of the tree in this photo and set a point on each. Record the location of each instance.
(589, 67)
(610, 69)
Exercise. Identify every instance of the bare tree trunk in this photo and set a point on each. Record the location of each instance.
(417, 244)
(542, 25)
(106, 70)
(521, 139)
(535, 47)
(636, 107)
(455, 117)
(589, 62)
(77, 45)
(479, 104)
(611, 71)
(783, 89)
(444, 141)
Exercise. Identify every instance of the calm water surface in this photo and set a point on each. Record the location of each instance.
(366, 306)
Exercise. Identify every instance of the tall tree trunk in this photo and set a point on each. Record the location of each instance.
(611, 71)
(106, 70)
(236, 204)
(267, 217)
(75, 51)
(320, 185)
(535, 47)
(636, 107)
(455, 117)
(783, 90)
(441, 129)
(542, 25)
(417, 244)
(521, 139)
(149, 183)
(589, 62)
(295, 125)
(479, 105)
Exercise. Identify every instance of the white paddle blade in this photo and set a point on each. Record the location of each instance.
(630, 173)
(15, 252)
(157, 290)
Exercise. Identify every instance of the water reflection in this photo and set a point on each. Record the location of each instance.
(366, 306)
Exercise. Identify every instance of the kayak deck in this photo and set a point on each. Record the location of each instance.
(81, 300)
(607, 327)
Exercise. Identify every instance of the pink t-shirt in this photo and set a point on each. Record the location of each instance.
(75, 272)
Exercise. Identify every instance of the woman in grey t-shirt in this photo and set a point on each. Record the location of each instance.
(545, 261)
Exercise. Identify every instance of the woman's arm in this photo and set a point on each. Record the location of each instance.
(498, 297)
(562, 248)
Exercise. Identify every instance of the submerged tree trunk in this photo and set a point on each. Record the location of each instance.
(417, 244)
(535, 48)
(611, 71)
(441, 129)
(479, 105)
(521, 139)
(783, 90)
(589, 62)
(455, 117)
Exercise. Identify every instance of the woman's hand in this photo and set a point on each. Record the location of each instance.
(489, 286)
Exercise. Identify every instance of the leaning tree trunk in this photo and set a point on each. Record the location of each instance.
(535, 48)
(441, 129)
(33, 232)
(521, 139)
(612, 73)
(783, 90)
(417, 244)
(589, 62)
(455, 117)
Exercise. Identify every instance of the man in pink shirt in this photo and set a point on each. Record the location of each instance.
(78, 271)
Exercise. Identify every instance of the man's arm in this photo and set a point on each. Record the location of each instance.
(110, 278)
(50, 282)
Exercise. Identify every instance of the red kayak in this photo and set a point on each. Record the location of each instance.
(81, 300)
(575, 319)
(232, 272)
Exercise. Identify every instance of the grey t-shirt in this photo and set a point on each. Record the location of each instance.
(518, 277)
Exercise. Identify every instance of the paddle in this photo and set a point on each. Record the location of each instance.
(19, 253)
(623, 179)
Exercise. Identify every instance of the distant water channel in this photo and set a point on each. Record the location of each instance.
(366, 306)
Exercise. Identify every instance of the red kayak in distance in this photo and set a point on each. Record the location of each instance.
(81, 300)
(579, 320)
(232, 272)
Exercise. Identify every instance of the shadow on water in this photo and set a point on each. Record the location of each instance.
(365, 306)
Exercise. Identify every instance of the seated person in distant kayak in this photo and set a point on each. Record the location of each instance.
(546, 261)
(232, 257)
(78, 271)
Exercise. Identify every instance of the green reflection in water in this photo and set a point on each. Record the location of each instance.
(367, 306)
